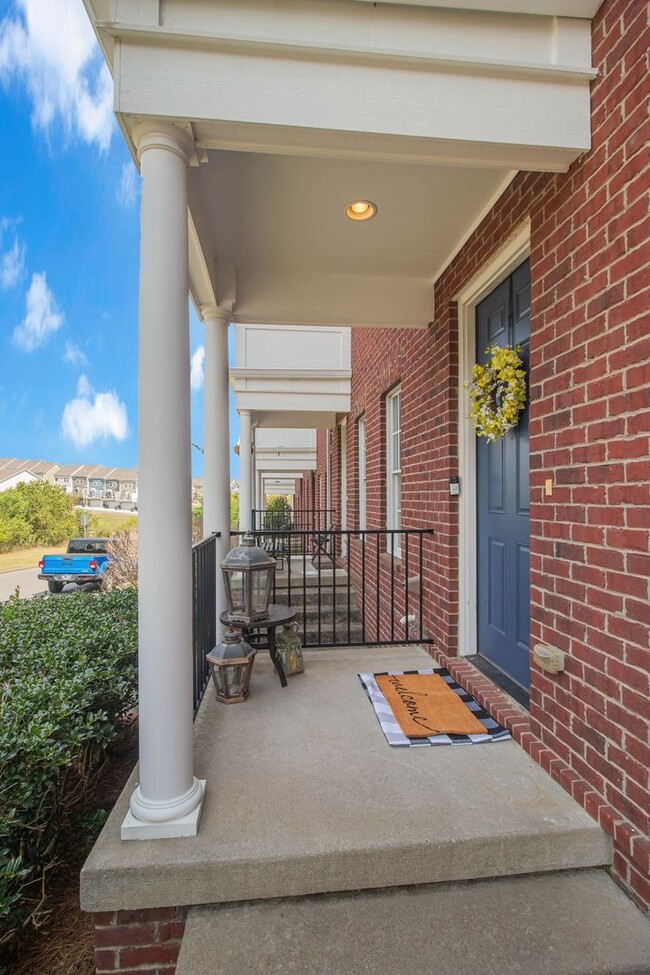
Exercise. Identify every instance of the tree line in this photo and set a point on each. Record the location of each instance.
(35, 513)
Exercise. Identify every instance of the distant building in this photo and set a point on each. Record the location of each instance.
(13, 477)
(93, 484)
(14, 471)
(64, 477)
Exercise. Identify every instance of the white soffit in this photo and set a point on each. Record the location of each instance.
(274, 214)
(285, 464)
(300, 418)
(556, 8)
(280, 221)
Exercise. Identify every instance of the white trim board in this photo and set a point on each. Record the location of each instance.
(514, 251)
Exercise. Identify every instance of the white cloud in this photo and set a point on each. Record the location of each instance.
(93, 416)
(12, 260)
(42, 316)
(196, 375)
(50, 47)
(127, 191)
(74, 356)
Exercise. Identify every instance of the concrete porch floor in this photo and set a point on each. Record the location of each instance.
(305, 796)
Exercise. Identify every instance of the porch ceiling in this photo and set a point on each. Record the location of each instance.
(279, 221)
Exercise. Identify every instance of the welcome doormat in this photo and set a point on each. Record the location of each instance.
(428, 707)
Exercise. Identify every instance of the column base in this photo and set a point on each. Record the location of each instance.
(188, 825)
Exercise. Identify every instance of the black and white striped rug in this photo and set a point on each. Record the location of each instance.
(394, 734)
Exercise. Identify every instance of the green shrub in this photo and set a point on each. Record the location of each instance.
(234, 511)
(67, 675)
(35, 513)
(278, 512)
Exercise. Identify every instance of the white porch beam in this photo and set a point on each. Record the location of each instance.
(245, 471)
(168, 798)
(216, 438)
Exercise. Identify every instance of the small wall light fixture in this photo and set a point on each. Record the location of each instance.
(361, 210)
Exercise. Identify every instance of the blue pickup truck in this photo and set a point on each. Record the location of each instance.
(85, 563)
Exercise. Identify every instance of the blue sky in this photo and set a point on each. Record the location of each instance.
(69, 245)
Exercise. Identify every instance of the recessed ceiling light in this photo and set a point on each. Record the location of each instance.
(361, 210)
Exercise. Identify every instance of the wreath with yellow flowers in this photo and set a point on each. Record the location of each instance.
(498, 392)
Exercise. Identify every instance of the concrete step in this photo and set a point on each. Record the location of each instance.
(339, 637)
(328, 605)
(553, 924)
(311, 596)
(326, 616)
(311, 576)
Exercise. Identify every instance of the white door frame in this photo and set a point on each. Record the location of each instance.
(343, 442)
(513, 252)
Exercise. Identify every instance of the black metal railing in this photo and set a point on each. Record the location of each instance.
(351, 588)
(295, 520)
(204, 612)
(283, 533)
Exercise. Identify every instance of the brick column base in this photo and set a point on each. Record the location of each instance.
(143, 942)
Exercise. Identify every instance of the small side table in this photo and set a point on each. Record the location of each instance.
(278, 616)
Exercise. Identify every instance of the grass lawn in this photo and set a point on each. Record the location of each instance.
(102, 524)
(27, 558)
(106, 523)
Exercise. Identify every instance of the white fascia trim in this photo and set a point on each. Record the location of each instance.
(528, 69)
(515, 250)
(241, 372)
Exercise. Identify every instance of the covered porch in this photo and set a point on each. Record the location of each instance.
(414, 116)
(318, 835)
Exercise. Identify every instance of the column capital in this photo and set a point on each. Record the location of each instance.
(220, 314)
(164, 135)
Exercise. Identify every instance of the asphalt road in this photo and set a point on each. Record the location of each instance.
(28, 582)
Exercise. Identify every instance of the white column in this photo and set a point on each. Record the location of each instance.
(245, 470)
(260, 491)
(216, 436)
(168, 797)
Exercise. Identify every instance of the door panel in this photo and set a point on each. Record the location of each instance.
(503, 497)
(496, 479)
(497, 586)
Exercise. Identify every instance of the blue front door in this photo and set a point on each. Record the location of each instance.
(503, 497)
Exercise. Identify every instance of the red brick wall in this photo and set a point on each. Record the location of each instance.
(147, 941)
(305, 497)
(424, 362)
(589, 431)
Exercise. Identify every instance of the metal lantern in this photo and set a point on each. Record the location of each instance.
(231, 664)
(248, 573)
(289, 648)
